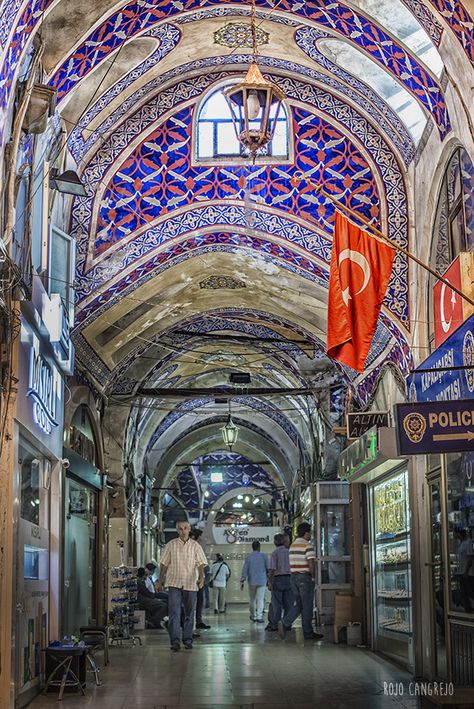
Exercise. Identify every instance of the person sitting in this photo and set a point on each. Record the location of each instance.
(155, 609)
(150, 569)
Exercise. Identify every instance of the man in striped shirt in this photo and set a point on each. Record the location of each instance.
(303, 571)
(182, 568)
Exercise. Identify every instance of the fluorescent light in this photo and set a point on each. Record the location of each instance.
(237, 504)
(256, 500)
(216, 477)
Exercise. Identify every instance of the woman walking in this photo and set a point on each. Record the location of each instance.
(220, 574)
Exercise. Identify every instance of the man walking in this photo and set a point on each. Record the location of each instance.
(279, 582)
(182, 568)
(255, 571)
(303, 571)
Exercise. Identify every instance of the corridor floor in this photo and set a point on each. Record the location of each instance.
(237, 664)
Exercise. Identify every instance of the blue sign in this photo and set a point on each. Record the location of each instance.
(435, 427)
(446, 374)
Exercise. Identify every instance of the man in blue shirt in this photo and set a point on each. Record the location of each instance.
(255, 572)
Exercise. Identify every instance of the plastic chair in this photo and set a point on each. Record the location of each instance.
(96, 638)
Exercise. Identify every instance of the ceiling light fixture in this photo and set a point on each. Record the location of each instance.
(230, 431)
(67, 182)
(255, 103)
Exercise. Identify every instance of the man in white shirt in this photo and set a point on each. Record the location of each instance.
(182, 568)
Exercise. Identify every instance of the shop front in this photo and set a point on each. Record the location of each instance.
(372, 461)
(44, 357)
(83, 484)
(444, 383)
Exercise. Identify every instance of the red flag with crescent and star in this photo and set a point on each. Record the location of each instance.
(360, 271)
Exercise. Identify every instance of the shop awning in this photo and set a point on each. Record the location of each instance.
(446, 375)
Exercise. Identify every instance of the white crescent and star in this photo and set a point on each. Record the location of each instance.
(446, 324)
(361, 261)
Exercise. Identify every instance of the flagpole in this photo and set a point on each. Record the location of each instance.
(319, 188)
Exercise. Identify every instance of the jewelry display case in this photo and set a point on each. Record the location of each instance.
(391, 556)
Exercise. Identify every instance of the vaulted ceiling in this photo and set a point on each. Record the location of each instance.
(187, 269)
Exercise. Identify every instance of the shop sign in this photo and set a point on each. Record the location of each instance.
(42, 388)
(446, 375)
(360, 422)
(359, 454)
(244, 534)
(435, 427)
(450, 310)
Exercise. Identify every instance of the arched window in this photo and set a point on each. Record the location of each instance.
(453, 229)
(216, 137)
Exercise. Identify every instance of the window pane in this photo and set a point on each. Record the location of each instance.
(279, 145)
(30, 492)
(467, 167)
(460, 468)
(453, 180)
(457, 233)
(60, 266)
(205, 140)
(441, 235)
(227, 143)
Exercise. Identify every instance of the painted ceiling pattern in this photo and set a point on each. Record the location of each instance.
(90, 279)
(158, 177)
(81, 140)
(134, 21)
(238, 472)
(17, 25)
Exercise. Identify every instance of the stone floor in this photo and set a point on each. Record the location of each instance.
(236, 664)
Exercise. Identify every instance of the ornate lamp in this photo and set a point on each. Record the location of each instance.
(230, 431)
(255, 103)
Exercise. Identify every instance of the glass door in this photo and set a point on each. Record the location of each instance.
(438, 579)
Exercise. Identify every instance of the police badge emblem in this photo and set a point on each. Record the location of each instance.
(415, 426)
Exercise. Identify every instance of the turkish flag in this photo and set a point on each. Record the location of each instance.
(450, 310)
(360, 271)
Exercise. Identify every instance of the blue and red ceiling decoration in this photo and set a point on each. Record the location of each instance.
(18, 23)
(158, 177)
(335, 17)
(238, 472)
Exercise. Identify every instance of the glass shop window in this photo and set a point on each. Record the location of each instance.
(460, 474)
(34, 480)
(216, 136)
(453, 229)
(82, 501)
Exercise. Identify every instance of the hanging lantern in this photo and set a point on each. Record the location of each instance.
(254, 104)
(230, 432)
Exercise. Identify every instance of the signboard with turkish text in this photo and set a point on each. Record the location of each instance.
(244, 534)
(435, 427)
(360, 422)
(446, 375)
(450, 310)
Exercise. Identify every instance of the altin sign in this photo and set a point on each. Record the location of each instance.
(43, 389)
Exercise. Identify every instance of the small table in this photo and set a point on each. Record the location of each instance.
(65, 667)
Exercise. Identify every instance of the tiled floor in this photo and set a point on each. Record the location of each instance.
(236, 664)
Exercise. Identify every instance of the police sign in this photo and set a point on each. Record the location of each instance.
(435, 427)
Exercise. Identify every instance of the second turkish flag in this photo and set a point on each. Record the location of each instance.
(360, 271)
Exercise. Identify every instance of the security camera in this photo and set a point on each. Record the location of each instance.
(65, 463)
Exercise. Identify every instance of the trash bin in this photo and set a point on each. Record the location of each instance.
(354, 634)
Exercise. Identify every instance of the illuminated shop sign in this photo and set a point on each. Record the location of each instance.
(358, 455)
(43, 388)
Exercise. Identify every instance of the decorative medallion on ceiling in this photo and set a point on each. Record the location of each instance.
(221, 282)
(239, 34)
